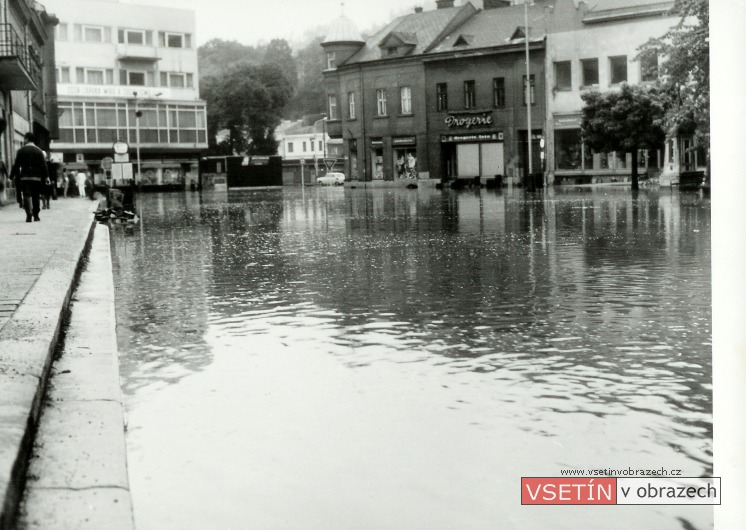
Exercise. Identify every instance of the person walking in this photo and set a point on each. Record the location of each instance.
(80, 179)
(30, 170)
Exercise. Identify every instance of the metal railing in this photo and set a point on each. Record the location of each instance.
(11, 45)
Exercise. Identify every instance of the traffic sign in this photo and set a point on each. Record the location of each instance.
(120, 148)
(329, 163)
(106, 163)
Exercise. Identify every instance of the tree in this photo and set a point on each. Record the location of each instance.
(626, 120)
(248, 101)
(279, 53)
(309, 98)
(684, 80)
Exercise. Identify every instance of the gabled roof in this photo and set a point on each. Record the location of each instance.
(419, 30)
(398, 38)
(495, 27)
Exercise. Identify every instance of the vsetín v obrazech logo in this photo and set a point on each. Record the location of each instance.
(614, 490)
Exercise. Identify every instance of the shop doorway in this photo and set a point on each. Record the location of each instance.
(536, 160)
(376, 161)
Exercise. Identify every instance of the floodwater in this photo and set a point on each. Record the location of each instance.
(398, 359)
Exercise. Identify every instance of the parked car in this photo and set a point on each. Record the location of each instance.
(331, 179)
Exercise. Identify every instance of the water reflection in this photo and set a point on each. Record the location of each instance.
(577, 318)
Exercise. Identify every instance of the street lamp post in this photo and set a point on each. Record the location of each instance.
(528, 99)
(137, 139)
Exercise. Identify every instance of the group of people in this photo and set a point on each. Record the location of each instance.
(36, 179)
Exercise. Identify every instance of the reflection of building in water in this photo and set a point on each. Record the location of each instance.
(162, 276)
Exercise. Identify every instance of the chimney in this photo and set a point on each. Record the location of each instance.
(444, 4)
(492, 4)
(418, 9)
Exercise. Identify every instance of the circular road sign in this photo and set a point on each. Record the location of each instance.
(106, 163)
(121, 148)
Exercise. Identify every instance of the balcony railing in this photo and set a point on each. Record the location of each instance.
(16, 70)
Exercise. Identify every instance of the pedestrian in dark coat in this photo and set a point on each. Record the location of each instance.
(30, 170)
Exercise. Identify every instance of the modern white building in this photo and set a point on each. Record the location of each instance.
(128, 72)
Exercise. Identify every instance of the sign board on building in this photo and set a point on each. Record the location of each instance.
(121, 158)
(57, 158)
(119, 91)
(376, 142)
(567, 121)
(468, 121)
(122, 171)
(80, 158)
(404, 140)
(474, 137)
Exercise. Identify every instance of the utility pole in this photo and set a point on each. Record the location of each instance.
(528, 99)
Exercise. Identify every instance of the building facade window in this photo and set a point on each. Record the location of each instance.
(331, 60)
(174, 40)
(63, 74)
(135, 78)
(105, 123)
(135, 37)
(563, 75)
(60, 31)
(589, 68)
(618, 69)
(352, 111)
(381, 102)
(441, 96)
(406, 99)
(93, 34)
(290, 147)
(498, 92)
(93, 76)
(649, 67)
(177, 80)
(332, 99)
(470, 94)
(304, 147)
(532, 89)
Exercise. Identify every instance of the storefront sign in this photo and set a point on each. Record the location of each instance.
(376, 142)
(66, 89)
(468, 122)
(567, 121)
(476, 137)
(404, 140)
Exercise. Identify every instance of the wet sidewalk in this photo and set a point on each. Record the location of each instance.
(39, 262)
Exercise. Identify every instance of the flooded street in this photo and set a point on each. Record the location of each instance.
(398, 359)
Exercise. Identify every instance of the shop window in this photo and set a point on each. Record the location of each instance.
(406, 100)
(441, 91)
(470, 94)
(567, 149)
(405, 162)
(532, 90)
(377, 162)
(589, 69)
(563, 75)
(649, 67)
(498, 92)
(618, 69)
(381, 101)
(351, 105)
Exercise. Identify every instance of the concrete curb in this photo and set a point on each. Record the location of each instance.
(27, 345)
(77, 477)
